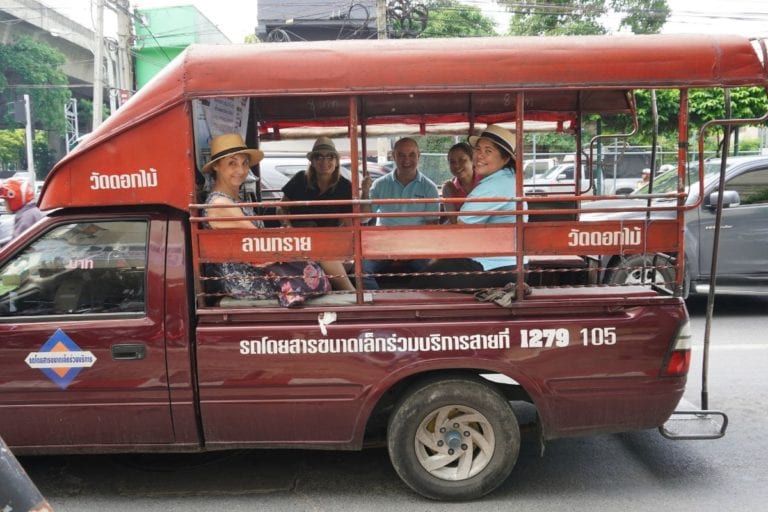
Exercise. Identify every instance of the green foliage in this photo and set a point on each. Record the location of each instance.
(451, 18)
(584, 17)
(435, 143)
(555, 17)
(12, 148)
(758, 197)
(642, 16)
(667, 102)
(708, 104)
(749, 146)
(27, 62)
(551, 142)
(13, 151)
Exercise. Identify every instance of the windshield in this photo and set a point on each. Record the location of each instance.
(667, 182)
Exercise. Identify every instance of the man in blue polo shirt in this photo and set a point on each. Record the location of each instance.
(405, 182)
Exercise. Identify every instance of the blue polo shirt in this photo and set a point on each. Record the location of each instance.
(387, 187)
(499, 184)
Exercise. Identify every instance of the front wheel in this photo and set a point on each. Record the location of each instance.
(453, 439)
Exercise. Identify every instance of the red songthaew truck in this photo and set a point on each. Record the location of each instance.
(114, 339)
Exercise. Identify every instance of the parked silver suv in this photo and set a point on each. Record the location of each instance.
(743, 250)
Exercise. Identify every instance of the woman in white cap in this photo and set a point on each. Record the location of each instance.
(494, 163)
(290, 282)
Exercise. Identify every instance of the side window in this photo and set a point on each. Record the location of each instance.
(752, 187)
(78, 268)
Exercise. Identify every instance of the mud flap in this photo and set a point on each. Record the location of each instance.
(687, 424)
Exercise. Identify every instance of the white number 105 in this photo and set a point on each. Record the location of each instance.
(598, 336)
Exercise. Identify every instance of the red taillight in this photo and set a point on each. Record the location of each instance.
(680, 358)
(678, 364)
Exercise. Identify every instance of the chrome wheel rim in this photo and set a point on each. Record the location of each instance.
(454, 442)
(645, 275)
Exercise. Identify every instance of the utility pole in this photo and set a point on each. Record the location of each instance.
(30, 138)
(98, 66)
(112, 79)
(381, 18)
(124, 36)
(382, 143)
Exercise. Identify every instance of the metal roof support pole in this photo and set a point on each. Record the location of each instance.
(357, 242)
(682, 175)
(519, 205)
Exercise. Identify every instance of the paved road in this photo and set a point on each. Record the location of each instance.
(639, 471)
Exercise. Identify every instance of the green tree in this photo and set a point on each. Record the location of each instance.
(32, 67)
(28, 66)
(13, 151)
(585, 17)
(12, 147)
(709, 104)
(451, 18)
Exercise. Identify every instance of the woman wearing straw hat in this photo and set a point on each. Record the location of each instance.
(290, 282)
(494, 162)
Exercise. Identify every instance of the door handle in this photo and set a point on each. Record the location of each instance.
(126, 351)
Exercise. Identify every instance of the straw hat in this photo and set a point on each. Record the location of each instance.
(231, 144)
(323, 144)
(502, 137)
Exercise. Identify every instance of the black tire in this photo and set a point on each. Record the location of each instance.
(474, 453)
(638, 268)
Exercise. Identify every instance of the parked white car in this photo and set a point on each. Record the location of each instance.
(558, 180)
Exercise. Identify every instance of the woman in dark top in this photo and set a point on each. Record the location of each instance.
(321, 181)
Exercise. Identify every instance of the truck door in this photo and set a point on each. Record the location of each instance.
(82, 343)
(743, 232)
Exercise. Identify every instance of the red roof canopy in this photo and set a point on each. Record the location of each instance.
(414, 81)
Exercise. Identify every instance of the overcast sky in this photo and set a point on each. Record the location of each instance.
(237, 18)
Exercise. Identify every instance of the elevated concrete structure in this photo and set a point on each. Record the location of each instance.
(69, 37)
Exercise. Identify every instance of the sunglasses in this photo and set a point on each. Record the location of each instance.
(318, 157)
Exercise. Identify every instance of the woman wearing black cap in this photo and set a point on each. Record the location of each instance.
(494, 162)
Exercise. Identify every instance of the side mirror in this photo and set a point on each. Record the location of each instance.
(730, 198)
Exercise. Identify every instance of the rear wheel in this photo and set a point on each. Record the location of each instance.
(453, 439)
(639, 269)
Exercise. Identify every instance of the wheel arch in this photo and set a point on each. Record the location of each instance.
(381, 404)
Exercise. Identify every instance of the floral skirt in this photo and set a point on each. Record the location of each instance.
(291, 283)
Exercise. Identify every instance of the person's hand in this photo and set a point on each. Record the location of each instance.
(366, 186)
